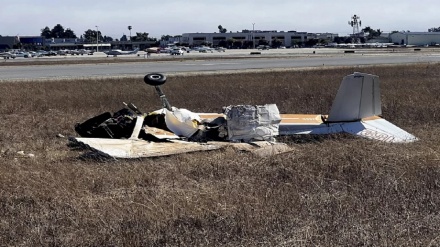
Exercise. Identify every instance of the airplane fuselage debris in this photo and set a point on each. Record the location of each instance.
(130, 134)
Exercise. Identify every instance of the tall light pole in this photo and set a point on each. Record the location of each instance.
(253, 34)
(131, 42)
(97, 38)
(129, 28)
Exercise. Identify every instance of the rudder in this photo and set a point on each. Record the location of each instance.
(358, 97)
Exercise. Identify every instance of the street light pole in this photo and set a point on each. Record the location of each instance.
(253, 34)
(97, 38)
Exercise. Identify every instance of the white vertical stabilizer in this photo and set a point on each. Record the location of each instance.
(358, 97)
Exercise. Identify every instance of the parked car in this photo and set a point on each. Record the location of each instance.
(32, 53)
(165, 50)
(63, 52)
(177, 51)
(22, 54)
(263, 47)
(46, 53)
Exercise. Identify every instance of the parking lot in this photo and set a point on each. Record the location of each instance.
(240, 53)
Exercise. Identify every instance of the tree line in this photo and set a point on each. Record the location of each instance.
(90, 35)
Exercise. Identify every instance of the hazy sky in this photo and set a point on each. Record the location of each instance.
(28, 17)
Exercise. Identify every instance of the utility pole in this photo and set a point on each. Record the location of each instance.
(97, 38)
(253, 35)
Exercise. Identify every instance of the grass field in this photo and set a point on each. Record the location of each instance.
(330, 191)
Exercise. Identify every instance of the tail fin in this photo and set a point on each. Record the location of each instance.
(358, 97)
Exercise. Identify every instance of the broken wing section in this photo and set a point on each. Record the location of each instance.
(306, 124)
(130, 148)
(378, 129)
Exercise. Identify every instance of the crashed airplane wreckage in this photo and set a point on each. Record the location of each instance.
(129, 133)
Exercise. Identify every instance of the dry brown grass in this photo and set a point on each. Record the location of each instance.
(332, 190)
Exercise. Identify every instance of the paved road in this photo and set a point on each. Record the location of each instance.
(201, 65)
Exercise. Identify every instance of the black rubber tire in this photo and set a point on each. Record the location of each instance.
(155, 79)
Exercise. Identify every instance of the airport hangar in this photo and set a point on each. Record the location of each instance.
(415, 38)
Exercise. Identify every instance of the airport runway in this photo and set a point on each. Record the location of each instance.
(207, 65)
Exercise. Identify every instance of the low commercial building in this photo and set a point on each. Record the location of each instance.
(71, 44)
(21, 42)
(289, 38)
(8, 42)
(131, 45)
(62, 43)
